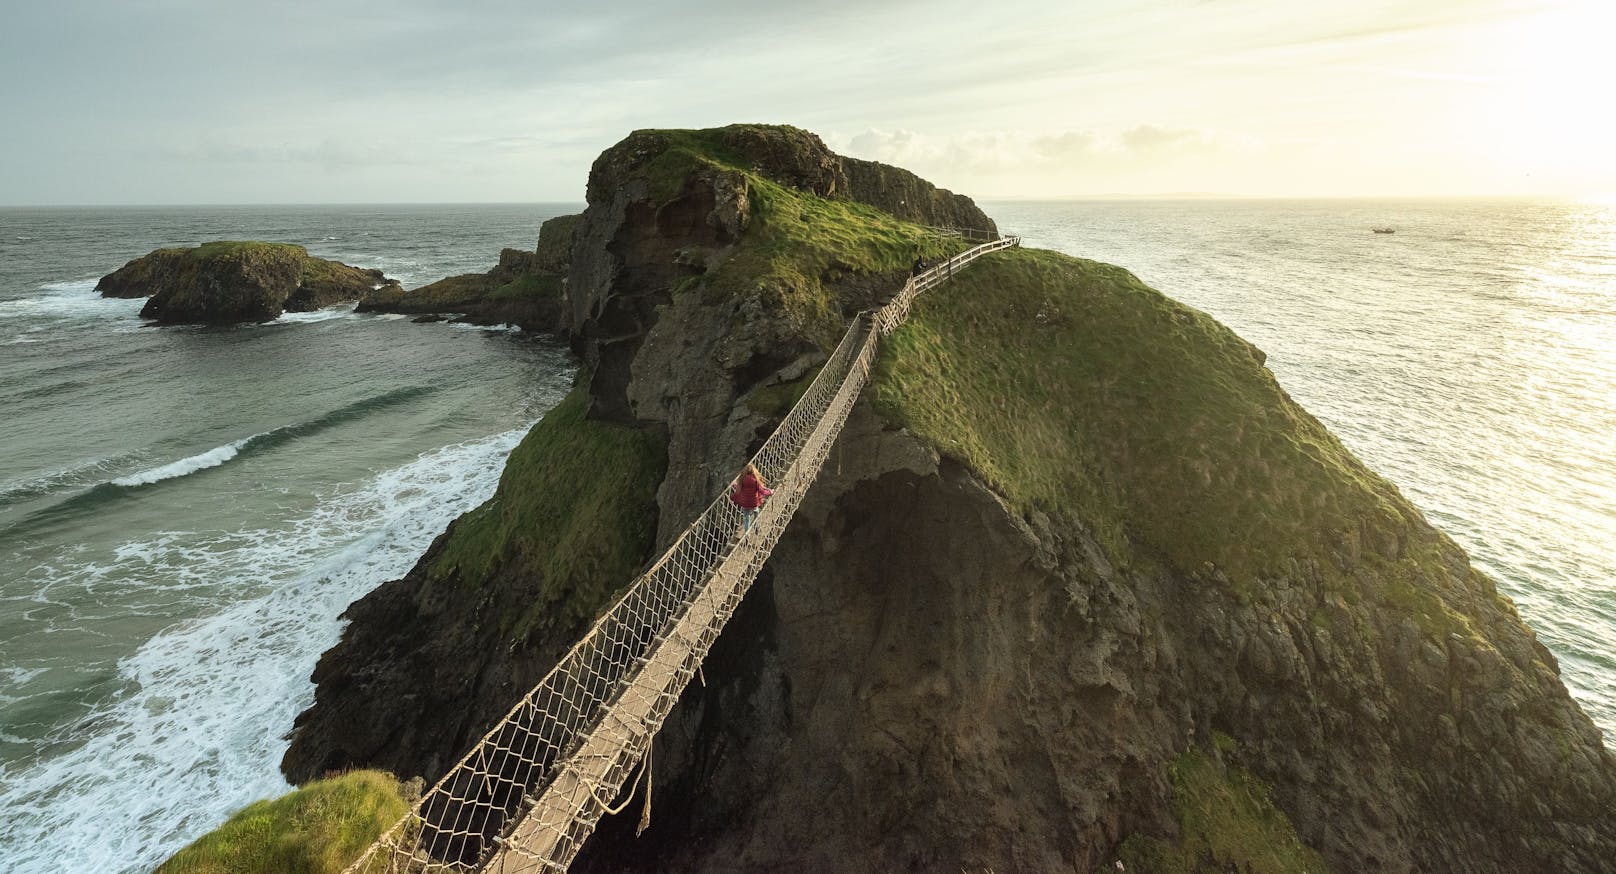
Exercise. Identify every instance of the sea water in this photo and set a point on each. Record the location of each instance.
(185, 512)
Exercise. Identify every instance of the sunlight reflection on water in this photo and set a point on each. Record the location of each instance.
(1470, 358)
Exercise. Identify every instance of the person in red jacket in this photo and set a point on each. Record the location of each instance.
(748, 494)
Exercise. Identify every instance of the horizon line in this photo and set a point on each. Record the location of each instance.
(1032, 198)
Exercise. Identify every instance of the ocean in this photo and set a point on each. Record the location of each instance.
(185, 512)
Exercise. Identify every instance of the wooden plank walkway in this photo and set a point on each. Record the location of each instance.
(546, 838)
(548, 825)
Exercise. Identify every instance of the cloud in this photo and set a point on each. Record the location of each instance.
(1142, 158)
(1150, 138)
(327, 153)
(1064, 145)
(1010, 150)
(433, 99)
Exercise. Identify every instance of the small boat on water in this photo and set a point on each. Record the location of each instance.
(1384, 230)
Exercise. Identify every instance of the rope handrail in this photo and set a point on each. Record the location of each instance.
(526, 795)
(967, 233)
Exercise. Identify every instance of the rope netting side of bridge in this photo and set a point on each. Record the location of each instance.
(531, 790)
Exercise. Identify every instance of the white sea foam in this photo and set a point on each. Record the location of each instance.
(71, 299)
(16, 676)
(212, 458)
(198, 731)
(505, 328)
(333, 312)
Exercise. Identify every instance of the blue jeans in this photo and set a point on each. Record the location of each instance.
(748, 516)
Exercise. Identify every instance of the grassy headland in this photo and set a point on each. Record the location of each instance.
(1078, 391)
(798, 247)
(317, 829)
(575, 509)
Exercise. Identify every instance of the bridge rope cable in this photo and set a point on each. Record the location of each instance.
(532, 789)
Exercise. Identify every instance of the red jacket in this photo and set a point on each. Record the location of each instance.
(749, 493)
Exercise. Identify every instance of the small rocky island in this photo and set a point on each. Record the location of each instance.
(232, 281)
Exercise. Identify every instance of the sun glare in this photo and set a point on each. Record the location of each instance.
(1550, 112)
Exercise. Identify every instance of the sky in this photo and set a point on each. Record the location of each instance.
(422, 101)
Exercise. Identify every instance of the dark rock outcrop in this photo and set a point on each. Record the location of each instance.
(654, 223)
(232, 281)
(527, 289)
(944, 668)
(800, 159)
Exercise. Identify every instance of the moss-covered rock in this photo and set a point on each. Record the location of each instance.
(1226, 822)
(1076, 390)
(320, 828)
(554, 251)
(795, 158)
(237, 281)
(749, 216)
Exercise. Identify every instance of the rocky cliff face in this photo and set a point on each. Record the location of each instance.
(668, 211)
(430, 660)
(227, 282)
(1078, 584)
(526, 289)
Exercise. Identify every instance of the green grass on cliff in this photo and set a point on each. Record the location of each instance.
(575, 509)
(1226, 822)
(242, 248)
(320, 828)
(1076, 390)
(778, 399)
(531, 285)
(797, 244)
(332, 272)
(685, 152)
(554, 248)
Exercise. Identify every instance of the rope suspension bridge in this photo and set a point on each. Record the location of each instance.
(529, 793)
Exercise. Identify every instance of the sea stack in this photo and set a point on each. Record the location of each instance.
(232, 281)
